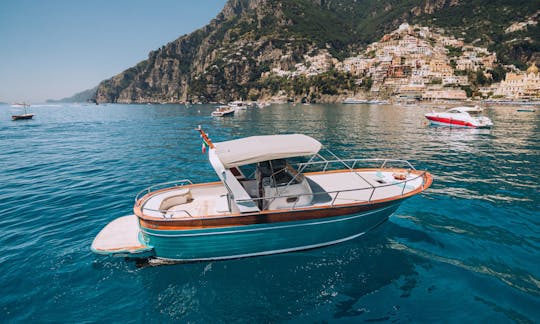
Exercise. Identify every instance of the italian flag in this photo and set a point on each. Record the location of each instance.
(203, 148)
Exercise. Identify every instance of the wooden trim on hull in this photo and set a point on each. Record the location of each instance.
(275, 216)
(264, 217)
(257, 240)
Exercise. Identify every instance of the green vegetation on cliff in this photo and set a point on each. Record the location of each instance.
(234, 55)
(483, 22)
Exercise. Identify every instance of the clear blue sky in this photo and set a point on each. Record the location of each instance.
(50, 49)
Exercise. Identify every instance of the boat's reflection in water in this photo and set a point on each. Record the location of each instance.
(310, 279)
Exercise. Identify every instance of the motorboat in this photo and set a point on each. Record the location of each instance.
(275, 194)
(354, 101)
(222, 111)
(238, 105)
(460, 117)
(22, 116)
(378, 102)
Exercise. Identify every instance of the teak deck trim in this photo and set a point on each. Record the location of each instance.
(273, 216)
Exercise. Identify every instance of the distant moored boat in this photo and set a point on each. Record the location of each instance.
(460, 117)
(222, 111)
(238, 105)
(22, 116)
(354, 101)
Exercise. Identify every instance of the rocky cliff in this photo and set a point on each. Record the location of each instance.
(232, 56)
(214, 63)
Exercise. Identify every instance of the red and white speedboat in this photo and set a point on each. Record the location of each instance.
(460, 117)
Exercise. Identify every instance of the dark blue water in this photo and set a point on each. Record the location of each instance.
(468, 250)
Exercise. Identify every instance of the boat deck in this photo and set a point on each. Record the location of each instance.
(120, 236)
(332, 188)
(352, 187)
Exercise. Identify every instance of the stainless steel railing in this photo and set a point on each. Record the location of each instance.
(268, 200)
(353, 163)
(323, 165)
(163, 185)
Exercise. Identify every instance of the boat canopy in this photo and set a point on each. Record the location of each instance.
(255, 149)
(466, 109)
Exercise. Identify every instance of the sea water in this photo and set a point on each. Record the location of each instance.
(466, 250)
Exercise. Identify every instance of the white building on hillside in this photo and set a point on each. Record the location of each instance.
(521, 85)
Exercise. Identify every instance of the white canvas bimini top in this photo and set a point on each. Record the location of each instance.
(264, 148)
(466, 109)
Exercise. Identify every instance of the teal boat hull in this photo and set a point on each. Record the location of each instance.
(260, 239)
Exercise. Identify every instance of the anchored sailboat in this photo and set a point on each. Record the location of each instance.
(23, 116)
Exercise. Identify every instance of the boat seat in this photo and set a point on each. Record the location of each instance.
(177, 197)
(222, 204)
(158, 205)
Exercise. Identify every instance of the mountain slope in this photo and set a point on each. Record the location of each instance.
(82, 96)
(226, 59)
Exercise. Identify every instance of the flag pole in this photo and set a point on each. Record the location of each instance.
(205, 137)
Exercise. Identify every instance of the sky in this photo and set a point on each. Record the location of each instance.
(52, 49)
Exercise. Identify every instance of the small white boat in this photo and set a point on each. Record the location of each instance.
(354, 101)
(222, 111)
(238, 105)
(378, 102)
(460, 117)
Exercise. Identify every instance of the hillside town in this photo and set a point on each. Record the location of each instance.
(415, 62)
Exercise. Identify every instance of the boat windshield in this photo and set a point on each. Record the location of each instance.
(471, 111)
(279, 172)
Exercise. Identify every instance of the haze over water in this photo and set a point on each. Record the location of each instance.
(467, 250)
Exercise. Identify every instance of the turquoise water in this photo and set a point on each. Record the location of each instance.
(466, 250)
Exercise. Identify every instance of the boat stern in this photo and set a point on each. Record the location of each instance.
(483, 122)
(121, 238)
